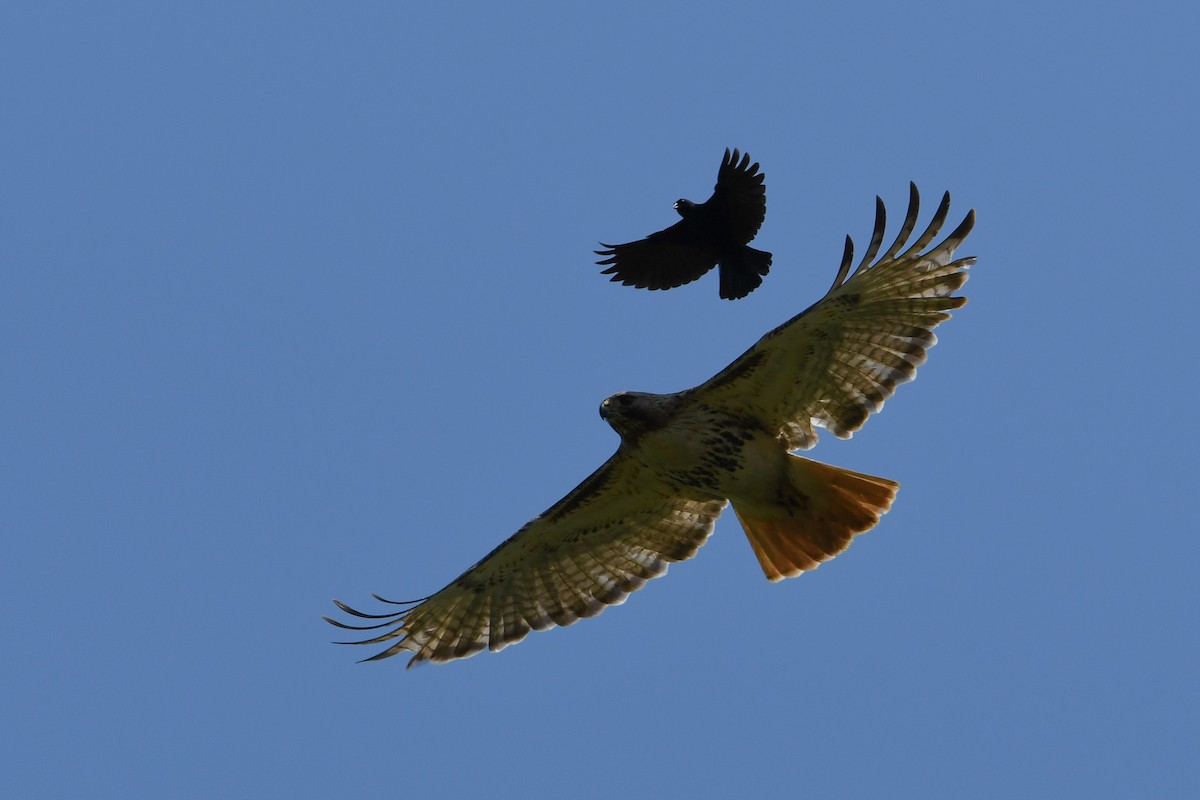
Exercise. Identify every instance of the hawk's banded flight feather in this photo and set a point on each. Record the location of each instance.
(683, 456)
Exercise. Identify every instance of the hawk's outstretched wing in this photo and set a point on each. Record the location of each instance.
(615, 531)
(837, 362)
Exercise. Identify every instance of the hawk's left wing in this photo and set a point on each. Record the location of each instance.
(619, 528)
(836, 363)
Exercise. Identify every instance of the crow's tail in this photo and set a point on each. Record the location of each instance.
(742, 274)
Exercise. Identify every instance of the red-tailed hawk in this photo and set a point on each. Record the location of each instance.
(683, 456)
(714, 232)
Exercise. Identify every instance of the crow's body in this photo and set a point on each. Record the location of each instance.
(713, 233)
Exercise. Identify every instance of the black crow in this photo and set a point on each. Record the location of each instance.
(716, 232)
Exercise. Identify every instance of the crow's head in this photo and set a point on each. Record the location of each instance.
(684, 207)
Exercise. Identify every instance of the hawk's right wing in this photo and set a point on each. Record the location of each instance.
(616, 530)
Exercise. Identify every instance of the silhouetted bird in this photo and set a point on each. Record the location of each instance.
(713, 233)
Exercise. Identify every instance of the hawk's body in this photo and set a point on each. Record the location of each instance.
(683, 456)
(715, 232)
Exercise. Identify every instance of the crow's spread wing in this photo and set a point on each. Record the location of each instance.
(663, 260)
(740, 197)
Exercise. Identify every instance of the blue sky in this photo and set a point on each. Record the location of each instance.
(297, 302)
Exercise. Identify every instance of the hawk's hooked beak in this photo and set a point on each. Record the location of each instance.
(604, 409)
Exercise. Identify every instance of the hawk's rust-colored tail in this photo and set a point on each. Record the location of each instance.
(828, 507)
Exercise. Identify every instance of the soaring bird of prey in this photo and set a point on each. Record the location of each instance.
(715, 232)
(683, 456)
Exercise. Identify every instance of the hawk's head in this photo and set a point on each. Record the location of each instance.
(633, 413)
